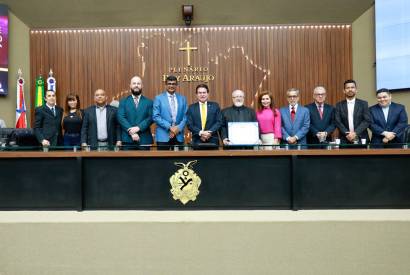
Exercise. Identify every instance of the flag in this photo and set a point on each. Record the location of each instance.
(51, 82)
(21, 119)
(39, 92)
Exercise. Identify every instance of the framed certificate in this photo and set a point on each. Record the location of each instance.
(243, 133)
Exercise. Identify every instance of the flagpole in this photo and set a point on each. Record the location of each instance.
(21, 118)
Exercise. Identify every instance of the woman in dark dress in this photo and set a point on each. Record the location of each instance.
(72, 121)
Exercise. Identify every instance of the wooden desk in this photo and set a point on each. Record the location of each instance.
(231, 179)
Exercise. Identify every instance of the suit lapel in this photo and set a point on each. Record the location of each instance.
(166, 101)
(389, 114)
(381, 115)
(345, 111)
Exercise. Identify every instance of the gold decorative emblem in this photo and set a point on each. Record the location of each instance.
(185, 182)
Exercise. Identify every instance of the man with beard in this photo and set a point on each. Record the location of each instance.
(236, 113)
(135, 118)
(352, 115)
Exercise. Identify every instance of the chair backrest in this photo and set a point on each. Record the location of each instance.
(406, 136)
(24, 137)
(5, 134)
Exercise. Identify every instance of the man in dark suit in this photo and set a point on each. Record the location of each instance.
(389, 120)
(204, 120)
(100, 128)
(135, 117)
(47, 126)
(352, 116)
(295, 120)
(321, 118)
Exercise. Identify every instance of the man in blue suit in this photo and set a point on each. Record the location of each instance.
(169, 114)
(321, 118)
(295, 120)
(204, 120)
(135, 118)
(389, 120)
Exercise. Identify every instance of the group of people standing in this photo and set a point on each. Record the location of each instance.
(129, 125)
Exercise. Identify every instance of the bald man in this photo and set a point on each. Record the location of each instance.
(238, 112)
(135, 118)
(100, 128)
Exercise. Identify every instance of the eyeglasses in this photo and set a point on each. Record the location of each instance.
(238, 96)
(320, 94)
(293, 96)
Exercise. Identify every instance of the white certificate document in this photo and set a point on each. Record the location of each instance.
(243, 133)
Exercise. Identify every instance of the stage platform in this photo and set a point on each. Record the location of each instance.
(316, 242)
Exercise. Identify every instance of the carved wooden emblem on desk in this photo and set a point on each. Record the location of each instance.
(185, 182)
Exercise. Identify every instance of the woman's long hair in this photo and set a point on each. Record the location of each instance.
(272, 104)
(67, 108)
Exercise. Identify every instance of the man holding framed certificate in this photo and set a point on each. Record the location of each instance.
(239, 124)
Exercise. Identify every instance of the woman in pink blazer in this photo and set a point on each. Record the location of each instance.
(269, 120)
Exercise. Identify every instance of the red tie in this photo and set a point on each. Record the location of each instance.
(292, 114)
(320, 107)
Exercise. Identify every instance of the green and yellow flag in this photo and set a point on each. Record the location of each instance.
(39, 92)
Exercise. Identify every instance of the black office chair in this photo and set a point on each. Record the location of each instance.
(5, 134)
(24, 137)
(406, 135)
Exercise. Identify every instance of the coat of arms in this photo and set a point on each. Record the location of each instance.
(185, 182)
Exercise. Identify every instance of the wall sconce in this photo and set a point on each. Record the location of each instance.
(187, 14)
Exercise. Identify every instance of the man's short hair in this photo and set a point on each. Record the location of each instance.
(242, 92)
(49, 91)
(383, 90)
(349, 81)
(293, 90)
(319, 87)
(171, 78)
(202, 86)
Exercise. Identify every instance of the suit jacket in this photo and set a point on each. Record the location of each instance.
(129, 116)
(89, 129)
(47, 126)
(317, 124)
(161, 114)
(299, 127)
(396, 122)
(361, 119)
(213, 121)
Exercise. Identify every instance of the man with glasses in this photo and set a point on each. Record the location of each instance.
(236, 113)
(295, 120)
(321, 118)
(169, 114)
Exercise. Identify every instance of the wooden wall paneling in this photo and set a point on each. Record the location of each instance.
(302, 57)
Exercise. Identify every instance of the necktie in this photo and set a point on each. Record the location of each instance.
(292, 114)
(320, 107)
(203, 116)
(136, 101)
(350, 113)
(173, 109)
(53, 110)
